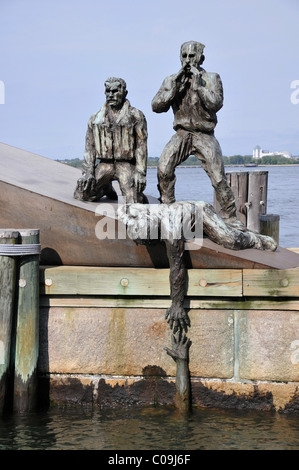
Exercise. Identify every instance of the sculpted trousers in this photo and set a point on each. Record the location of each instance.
(123, 172)
(207, 149)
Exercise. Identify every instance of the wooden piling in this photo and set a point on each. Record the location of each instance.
(250, 190)
(269, 225)
(257, 198)
(7, 295)
(27, 327)
(239, 184)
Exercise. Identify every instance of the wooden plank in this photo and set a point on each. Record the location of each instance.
(271, 283)
(79, 280)
(215, 282)
(165, 302)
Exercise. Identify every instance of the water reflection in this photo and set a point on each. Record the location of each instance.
(149, 429)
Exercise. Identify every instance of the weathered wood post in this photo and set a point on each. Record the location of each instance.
(257, 198)
(269, 225)
(238, 181)
(7, 295)
(27, 323)
(239, 184)
(250, 190)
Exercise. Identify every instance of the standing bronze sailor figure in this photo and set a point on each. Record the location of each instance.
(195, 96)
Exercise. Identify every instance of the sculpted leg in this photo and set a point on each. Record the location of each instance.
(104, 175)
(125, 175)
(166, 176)
(232, 237)
(175, 152)
(208, 150)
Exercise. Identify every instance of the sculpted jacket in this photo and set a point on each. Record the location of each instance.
(123, 139)
(195, 108)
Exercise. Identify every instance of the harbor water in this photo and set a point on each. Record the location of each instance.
(283, 194)
(162, 428)
(149, 429)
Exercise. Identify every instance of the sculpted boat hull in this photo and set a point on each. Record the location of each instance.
(37, 192)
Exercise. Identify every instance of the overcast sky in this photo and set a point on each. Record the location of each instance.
(56, 54)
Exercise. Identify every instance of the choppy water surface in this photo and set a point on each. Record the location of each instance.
(149, 429)
(283, 194)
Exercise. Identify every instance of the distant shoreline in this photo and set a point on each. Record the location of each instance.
(232, 166)
(262, 166)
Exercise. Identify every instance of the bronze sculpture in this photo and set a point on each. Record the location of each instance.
(140, 218)
(180, 354)
(115, 149)
(195, 97)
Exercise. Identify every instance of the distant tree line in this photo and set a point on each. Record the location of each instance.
(237, 160)
(76, 162)
(266, 160)
(193, 161)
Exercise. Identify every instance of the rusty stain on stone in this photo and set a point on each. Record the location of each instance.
(207, 396)
(156, 389)
(153, 371)
(157, 329)
(116, 339)
(293, 404)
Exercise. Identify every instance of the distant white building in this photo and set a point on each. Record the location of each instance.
(259, 153)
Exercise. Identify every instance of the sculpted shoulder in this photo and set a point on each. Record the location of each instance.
(91, 119)
(97, 117)
(137, 114)
(168, 81)
(211, 77)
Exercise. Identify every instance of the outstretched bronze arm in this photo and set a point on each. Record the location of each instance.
(180, 354)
